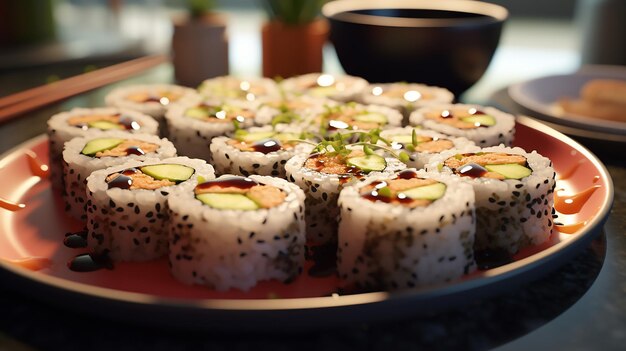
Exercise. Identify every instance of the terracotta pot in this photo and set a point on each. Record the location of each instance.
(200, 49)
(290, 50)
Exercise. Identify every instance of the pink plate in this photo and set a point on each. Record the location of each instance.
(147, 293)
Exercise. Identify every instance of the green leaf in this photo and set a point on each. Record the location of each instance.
(367, 150)
(404, 157)
(414, 138)
(384, 191)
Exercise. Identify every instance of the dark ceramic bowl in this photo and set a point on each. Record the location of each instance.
(443, 43)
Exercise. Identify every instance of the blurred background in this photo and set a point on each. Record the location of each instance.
(53, 39)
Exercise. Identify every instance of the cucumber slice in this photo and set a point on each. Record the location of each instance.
(105, 125)
(197, 112)
(368, 163)
(402, 139)
(255, 136)
(374, 117)
(510, 170)
(225, 201)
(173, 172)
(427, 192)
(481, 120)
(96, 145)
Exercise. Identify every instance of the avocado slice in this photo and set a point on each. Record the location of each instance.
(368, 163)
(96, 145)
(224, 201)
(427, 192)
(374, 117)
(174, 172)
(105, 125)
(254, 136)
(483, 120)
(510, 170)
(197, 112)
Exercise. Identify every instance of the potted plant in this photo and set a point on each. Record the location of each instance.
(199, 44)
(293, 37)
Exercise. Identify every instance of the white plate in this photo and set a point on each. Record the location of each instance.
(538, 97)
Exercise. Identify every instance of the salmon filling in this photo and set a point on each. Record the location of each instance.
(458, 162)
(394, 194)
(139, 180)
(426, 144)
(333, 164)
(124, 149)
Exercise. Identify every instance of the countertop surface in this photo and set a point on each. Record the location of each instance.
(581, 305)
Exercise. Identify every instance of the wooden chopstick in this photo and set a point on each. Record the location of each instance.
(19, 103)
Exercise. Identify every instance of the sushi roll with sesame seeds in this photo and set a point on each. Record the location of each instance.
(78, 122)
(342, 88)
(351, 116)
(421, 145)
(514, 194)
(322, 174)
(407, 230)
(233, 232)
(149, 99)
(127, 216)
(485, 126)
(260, 151)
(194, 123)
(405, 97)
(230, 87)
(82, 156)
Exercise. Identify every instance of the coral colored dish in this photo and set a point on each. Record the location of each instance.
(34, 259)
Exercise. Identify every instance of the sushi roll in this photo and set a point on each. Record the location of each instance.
(229, 87)
(233, 232)
(127, 216)
(260, 150)
(322, 174)
(423, 146)
(405, 97)
(149, 99)
(84, 155)
(514, 194)
(78, 122)
(406, 230)
(290, 110)
(351, 116)
(341, 88)
(193, 124)
(485, 126)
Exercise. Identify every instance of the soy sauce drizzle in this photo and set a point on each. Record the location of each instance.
(407, 174)
(266, 146)
(129, 123)
(123, 180)
(76, 240)
(89, 262)
(229, 182)
(492, 258)
(11, 206)
(135, 150)
(37, 167)
(473, 170)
